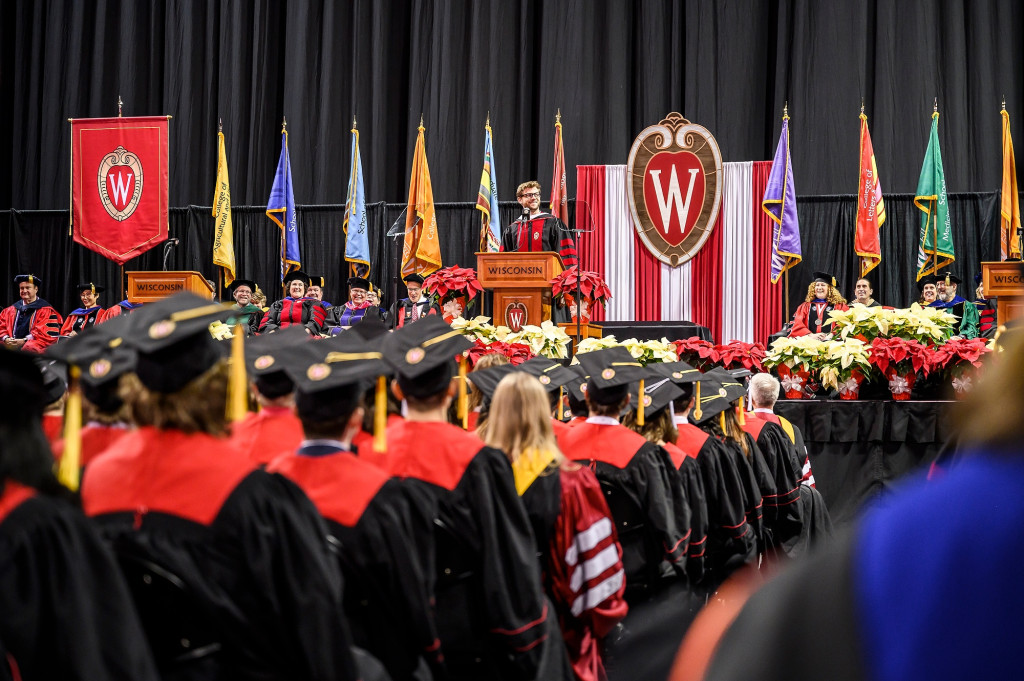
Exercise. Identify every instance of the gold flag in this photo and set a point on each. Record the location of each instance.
(1009, 207)
(422, 251)
(223, 233)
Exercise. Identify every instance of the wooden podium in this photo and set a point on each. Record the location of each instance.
(149, 287)
(1003, 280)
(521, 283)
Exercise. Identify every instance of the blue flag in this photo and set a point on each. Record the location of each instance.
(357, 244)
(487, 199)
(281, 209)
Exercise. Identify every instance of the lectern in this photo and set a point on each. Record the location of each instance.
(1003, 280)
(521, 283)
(149, 287)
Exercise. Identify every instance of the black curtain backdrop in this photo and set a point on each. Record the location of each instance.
(38, 242)
(613, 67)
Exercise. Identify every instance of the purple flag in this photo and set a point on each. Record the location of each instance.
(780, 204)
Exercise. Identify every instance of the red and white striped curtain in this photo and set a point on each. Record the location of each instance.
(725, 287)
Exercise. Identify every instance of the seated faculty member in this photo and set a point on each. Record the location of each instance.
(822, 298)
(295, 308)
(85, 316)
(31, 324)
(414, 307)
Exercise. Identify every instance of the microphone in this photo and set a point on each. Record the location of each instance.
(167, 249)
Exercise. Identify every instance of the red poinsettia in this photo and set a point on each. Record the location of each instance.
(738, 354)
(591, 286)
(453, 282)
(900, 353)
(517, 353)
(957, 351)
(698, 353)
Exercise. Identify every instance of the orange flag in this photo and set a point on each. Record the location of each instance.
(422, 252)
(559, 207)
(1010, 204)
(870, 206)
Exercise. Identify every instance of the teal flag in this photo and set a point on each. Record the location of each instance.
(935, 249)
(357, 244)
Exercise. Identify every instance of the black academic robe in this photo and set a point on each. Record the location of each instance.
(732, 541)
(385, 598)
(400, 313)
(783, 508)
(249, 547)
(283, 313)
(543, 232)
(474, 533)
(65, 612)
(80, 319)
(693, 489)
(647, 500)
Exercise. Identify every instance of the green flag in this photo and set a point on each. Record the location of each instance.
(936, 245)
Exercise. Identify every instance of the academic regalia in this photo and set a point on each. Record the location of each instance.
(36, 321)
(248, 545)
(385, 598)
(80, 319)
(810, 317)
(66, 613)
(53, 427)
(341, 316)
(248, 316)
(731, 540)
(401, 312)
(986, 308)
(572, 526)
(693, 489)
(307, 312)
(266, 434)
(96, 439)
(542, 232)
(781, 457)
(795, 436)
(965, 312)
(122, 308)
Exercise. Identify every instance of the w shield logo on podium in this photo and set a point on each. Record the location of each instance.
(515, 316)
(675, 188)
(119, 184)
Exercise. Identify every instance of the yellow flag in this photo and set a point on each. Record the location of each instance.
(1010, 204)
(422, 252)
(223, 233)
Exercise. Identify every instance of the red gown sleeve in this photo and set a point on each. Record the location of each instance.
(800, 320)
(46, 324)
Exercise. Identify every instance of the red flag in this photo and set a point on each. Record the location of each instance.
(870, 207)
(119, 184)
(558, 196)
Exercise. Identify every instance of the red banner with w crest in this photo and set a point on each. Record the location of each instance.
(119, 184)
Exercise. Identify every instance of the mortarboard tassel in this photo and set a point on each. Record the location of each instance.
(70, 463)
(561, 403)
(721, 421)
(463, 409)
(696, 405)
(640, 405)
(238, 388)
(380, 415)
(742, 418)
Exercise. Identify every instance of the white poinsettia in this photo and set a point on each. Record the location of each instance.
(594, 344)
(548, 339)
(793, 351)
(840, 359)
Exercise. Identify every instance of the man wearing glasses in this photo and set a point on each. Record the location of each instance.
(536, 230)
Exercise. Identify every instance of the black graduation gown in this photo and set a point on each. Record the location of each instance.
(783, 509)
(732, 541)
(693, 489)
(492, 615)
(65, 612)
(385, 597)
(249, 546)
(646, 497)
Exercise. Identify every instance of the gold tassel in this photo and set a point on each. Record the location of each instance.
(463, 409)
(640, 405)
(742, 418)
(721, 421)
(561, 403)
(380, 416)
(238, 388)
(70, 463)
(696, 405)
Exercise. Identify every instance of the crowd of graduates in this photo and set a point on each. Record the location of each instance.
(352, 507)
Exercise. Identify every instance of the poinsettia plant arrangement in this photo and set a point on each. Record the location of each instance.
(480, 328)
(548, 340)
(739, 355)
(516, 353)
(925, 324)
(453, 282)
(650, 351)
(698, 353)
(958, 358)
(800, 352)
(843, 365)
(591, 286)
(900, 354)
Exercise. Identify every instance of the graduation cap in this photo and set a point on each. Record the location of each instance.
(678, 372)
(577, 385)
(296, 275)
(101, 354)
(359, 282)
(487, 380)
(611, 372)
(173, 341)
(265, 359)
(716, 391)
(242, 282)
(824, 278)
(924, 281)
(658, 392)
(371, 326)
(89, 287)
(23, 392)
(30, 278)
(422, 355)
(317, 281)
(950, 278)
(551, 374)
(331, 376)
(414, 278)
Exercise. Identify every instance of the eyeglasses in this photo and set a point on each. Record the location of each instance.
(531, 195)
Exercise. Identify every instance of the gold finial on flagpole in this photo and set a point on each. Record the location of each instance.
(488, 123)
(284, 124)
(220, 124)
(119, 103)
(935, 107)
(785, 111)
(861, 106)
(558, 116)
(421, 119)
(1004, 103)
(354, 121)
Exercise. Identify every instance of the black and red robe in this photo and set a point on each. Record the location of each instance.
(283, 313)
(542, 232)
